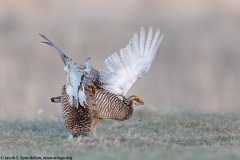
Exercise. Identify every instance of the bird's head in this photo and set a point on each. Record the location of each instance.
(136, 101)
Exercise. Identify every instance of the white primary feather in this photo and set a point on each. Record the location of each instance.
(148, 42)
(131, 63)
(142, 41)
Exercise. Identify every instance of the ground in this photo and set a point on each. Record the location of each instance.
(169, 135)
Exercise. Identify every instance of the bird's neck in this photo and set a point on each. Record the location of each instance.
(128, 107)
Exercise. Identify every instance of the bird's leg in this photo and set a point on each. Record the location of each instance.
(82, 139)
(95, 121)
(78, 139)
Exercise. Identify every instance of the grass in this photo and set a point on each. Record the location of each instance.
(171, 135)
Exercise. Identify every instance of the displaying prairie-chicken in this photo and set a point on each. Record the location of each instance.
(90, 95)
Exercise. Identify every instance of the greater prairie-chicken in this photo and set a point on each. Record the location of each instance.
(90, 95)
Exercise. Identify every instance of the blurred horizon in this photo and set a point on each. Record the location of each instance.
(198, 67)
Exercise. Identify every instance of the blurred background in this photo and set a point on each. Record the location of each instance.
(198, 67)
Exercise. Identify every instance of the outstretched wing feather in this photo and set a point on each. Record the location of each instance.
(131, 63)
(73, 73)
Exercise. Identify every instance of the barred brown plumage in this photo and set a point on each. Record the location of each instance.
(90, 95)
(109, 105)
(77, 120)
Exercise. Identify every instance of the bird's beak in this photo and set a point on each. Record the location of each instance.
(141, 102)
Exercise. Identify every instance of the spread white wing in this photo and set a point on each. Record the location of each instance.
(131, 63)
(75, 77)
